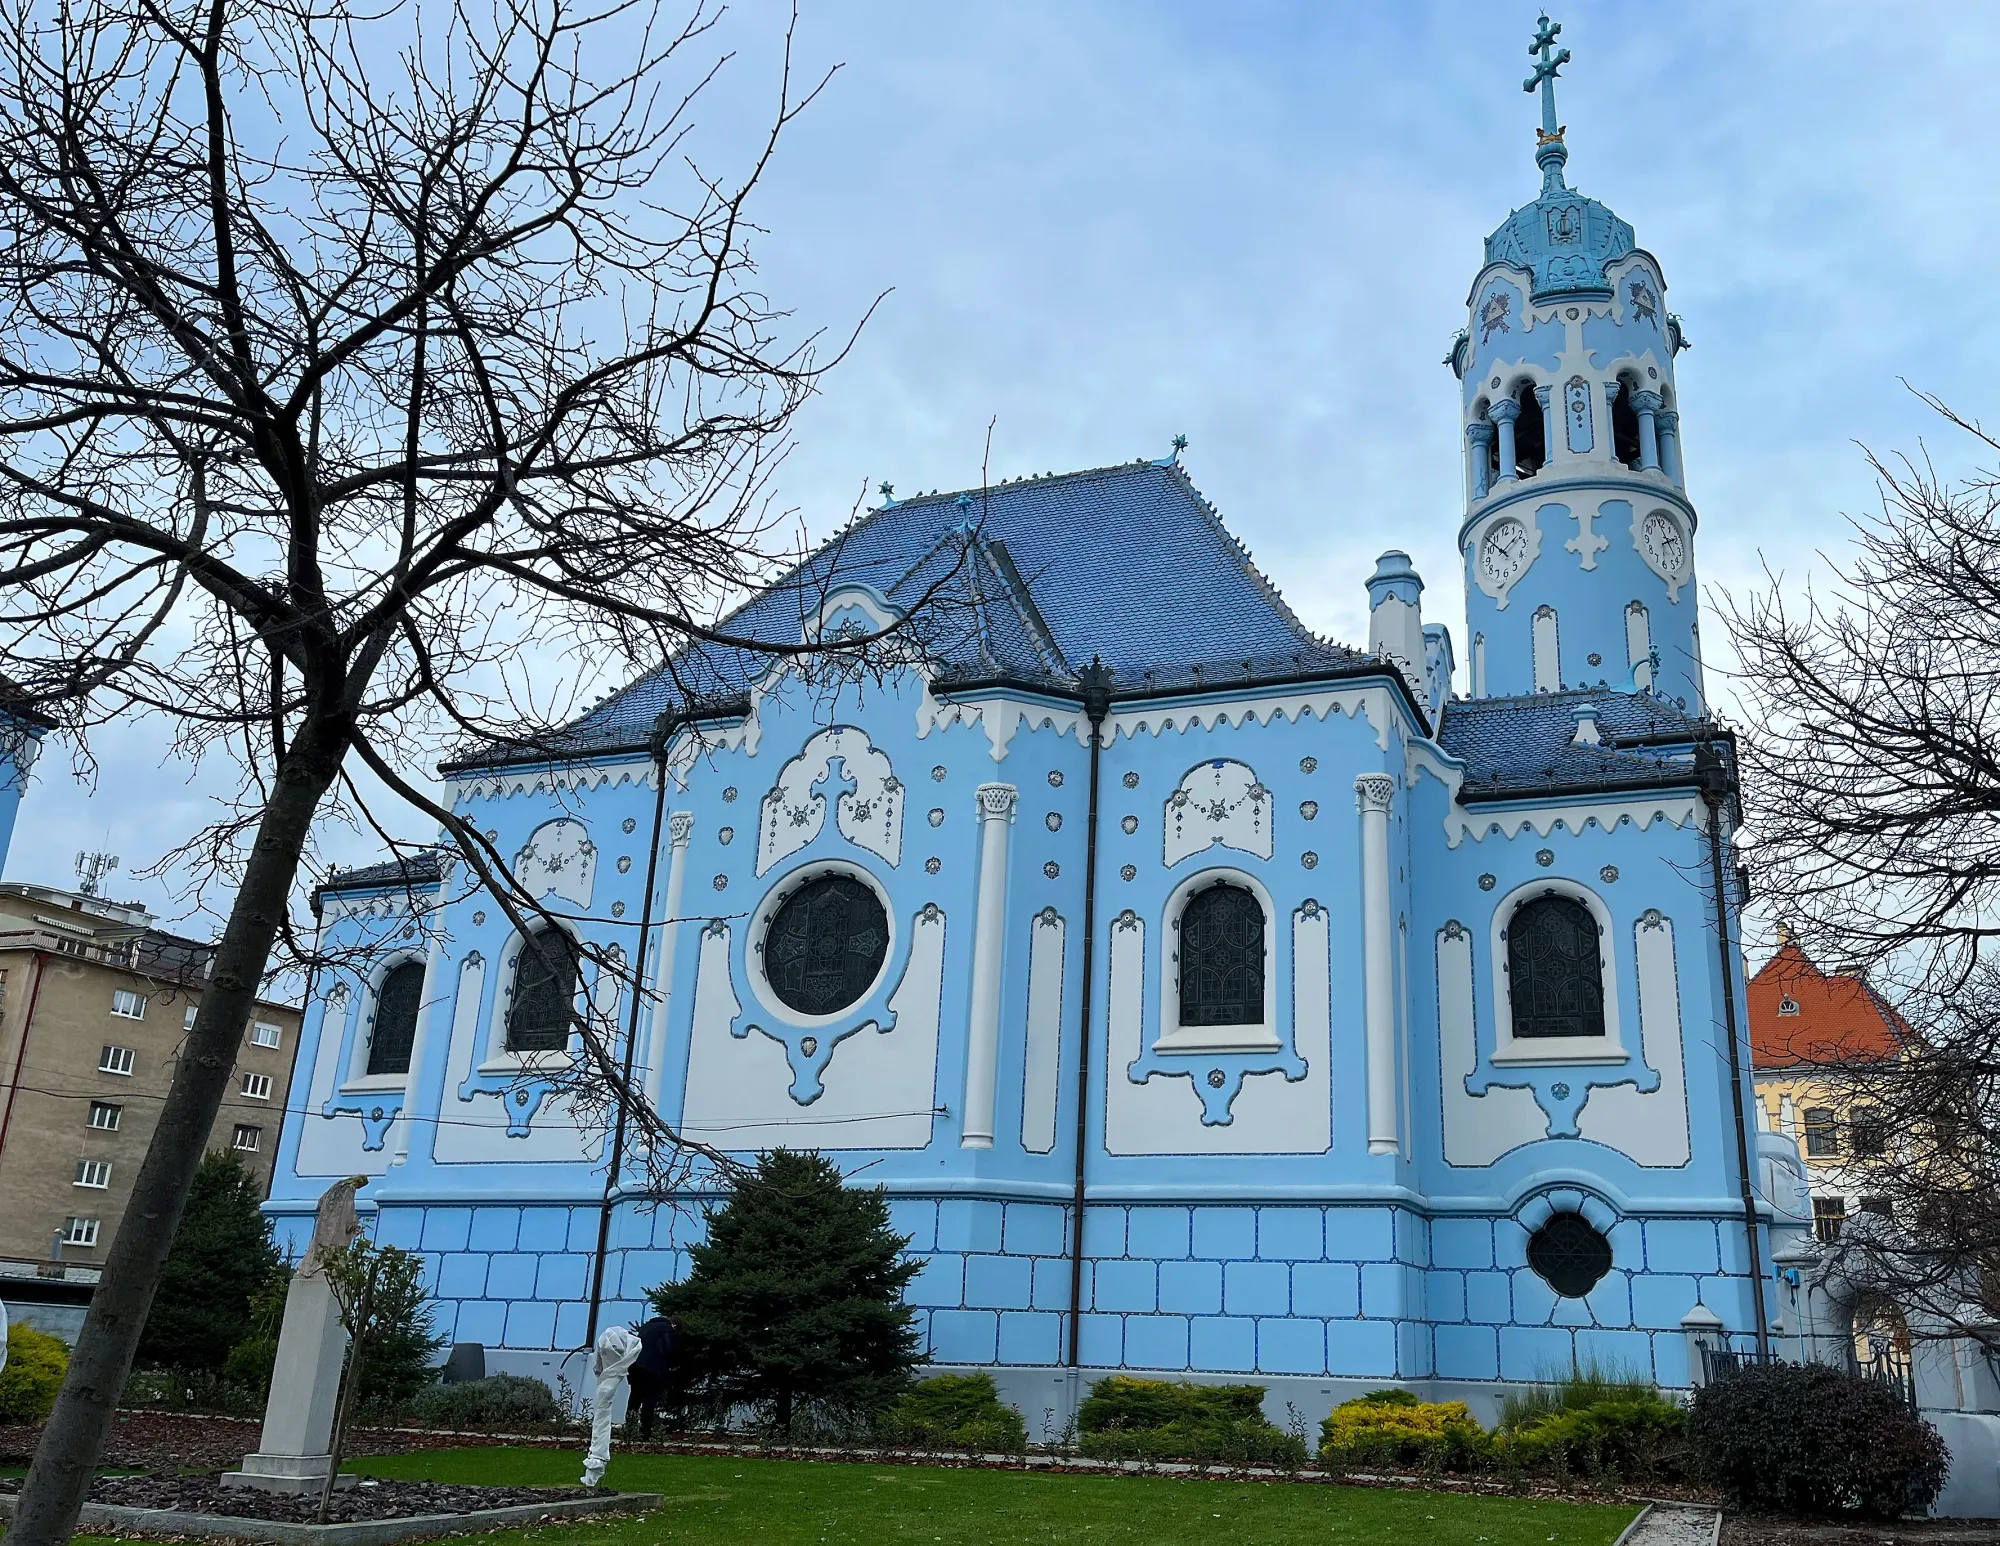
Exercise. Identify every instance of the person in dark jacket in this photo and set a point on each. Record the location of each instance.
(648, 1374)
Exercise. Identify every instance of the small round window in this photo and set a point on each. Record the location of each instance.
(1569, 1254)
(826, 944)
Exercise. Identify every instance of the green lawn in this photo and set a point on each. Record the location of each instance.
(713, 1501)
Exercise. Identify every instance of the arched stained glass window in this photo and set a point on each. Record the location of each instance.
(539, 1018)
(396, 1005)
(1555, 978)
(1222, 957)
(826, 945)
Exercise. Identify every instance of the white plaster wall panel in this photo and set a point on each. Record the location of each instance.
(868, 799)
(559, 860)
(879, 1089)
(333, 1146)
(1297, 1118)
(1652, 1129)
(1042, 1066)
(1547, 660)
(1478, 1129)
(1220, 803)
(1639, 645)
(326, 1056)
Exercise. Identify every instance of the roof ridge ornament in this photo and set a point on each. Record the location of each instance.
(1550, 151)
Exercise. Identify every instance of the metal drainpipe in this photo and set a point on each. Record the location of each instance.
(1095, 679)
(663, 732)
(21, 1052)
(1717, 785)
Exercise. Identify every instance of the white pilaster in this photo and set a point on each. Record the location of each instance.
(680, 829)
(433, 989)
(982, 1042)
(1373, 794)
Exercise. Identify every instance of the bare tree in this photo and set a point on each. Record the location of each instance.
(1873, 791)
(345, 354)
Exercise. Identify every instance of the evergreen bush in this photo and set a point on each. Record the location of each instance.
(1125, 1418)
(793, 1306)
(36, 1363)
(1394, 1428)
(955, 1411)
(221, 1257)
(1808, 1439)
(497, 1401)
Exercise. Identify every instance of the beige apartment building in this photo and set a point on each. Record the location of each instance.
(95, 1003)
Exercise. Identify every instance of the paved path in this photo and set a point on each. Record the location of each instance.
(1673, 1524)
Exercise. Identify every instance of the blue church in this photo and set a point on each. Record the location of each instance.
(1210, 999)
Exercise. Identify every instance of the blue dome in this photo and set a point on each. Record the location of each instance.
(1563, 238)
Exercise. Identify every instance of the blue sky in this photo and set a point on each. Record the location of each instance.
(1103, 224)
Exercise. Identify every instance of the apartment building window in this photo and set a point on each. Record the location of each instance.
(1878, 1206)
(115, 1060)
(187, 1019)
(1867, 1134)
(95, 1174)
(80, 1232)
(105, 1116)
(1822, 1133)
(265, 1034)
(257, 1086)
(1829, 1213)
(128, 1005)
(248, 1139)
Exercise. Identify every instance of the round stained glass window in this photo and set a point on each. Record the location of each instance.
(1570, 1255)
(826, 945)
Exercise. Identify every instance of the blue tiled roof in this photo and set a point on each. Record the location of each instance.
(1524, 746)
(419, 871)
(1033, 579)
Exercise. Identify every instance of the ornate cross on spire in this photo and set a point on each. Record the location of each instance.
(1550, 61)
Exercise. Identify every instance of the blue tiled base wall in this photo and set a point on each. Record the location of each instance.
(1347, 1291)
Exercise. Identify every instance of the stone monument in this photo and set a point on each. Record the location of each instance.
(295, 1450)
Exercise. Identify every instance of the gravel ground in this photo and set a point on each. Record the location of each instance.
(370, 1500)
(1667, 1526)
(1749, 1530)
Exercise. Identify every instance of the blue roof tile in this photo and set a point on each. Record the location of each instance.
(1526, 745)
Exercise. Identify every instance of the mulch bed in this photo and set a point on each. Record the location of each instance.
(370, 1500)
(200, 1441)
(1753, 1530)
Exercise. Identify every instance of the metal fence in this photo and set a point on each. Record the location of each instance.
(1886, 1365)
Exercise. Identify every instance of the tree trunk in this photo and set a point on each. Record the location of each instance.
(66, 1458)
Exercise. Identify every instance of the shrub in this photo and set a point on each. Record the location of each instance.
(36, 1363)
(794, 1304)
(1807, 1439)
(1133, 1419)
(498, 1401)
(222, 1256)
(955, 1411)
(1394, 1428)
(1632, 1434)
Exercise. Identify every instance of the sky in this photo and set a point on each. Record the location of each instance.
(1103, 223)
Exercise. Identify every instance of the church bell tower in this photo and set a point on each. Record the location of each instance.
(1578, 537)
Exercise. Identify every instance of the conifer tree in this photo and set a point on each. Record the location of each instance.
(794, 1304)
(222, 1256)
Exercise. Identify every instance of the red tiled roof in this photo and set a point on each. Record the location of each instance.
(1838, 1018)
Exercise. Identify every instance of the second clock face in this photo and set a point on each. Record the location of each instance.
(1503, 551)
(1665, 545)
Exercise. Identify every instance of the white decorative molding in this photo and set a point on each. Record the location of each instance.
(1217, 802)
(1383, 708)
(1478, 1129)
(1480, 823)
(1041, 1069)
(680, 830)
(544, 778)
(1174, 1036)
(560, 860)
(1538, 1051)
(879, 1091)
(1651, 1129)
(982, 1037)
(1588, 542)
(1676, 576)
(868, 804)
(1373, 795)
(1500, 586)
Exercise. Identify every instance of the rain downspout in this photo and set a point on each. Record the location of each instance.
(1095, 679)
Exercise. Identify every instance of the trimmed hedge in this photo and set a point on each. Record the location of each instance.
(36, 1363)
(1394, 1428)
(498, 1401)
(1808, 1439)
(954, 1411)
(1133, 1419)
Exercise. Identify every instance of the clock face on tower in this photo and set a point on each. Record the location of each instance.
(1666, 548)
(1503, 551)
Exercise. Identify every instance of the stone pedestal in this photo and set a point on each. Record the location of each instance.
(296, 1448)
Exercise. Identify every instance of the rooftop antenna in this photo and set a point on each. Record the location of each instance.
(92, 868)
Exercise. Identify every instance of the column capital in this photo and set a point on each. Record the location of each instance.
(1374, 792)
(997, 801)
(680, 828)
(1480, 432)
(1669, 419)
(1503, 410)
(1647, 402)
